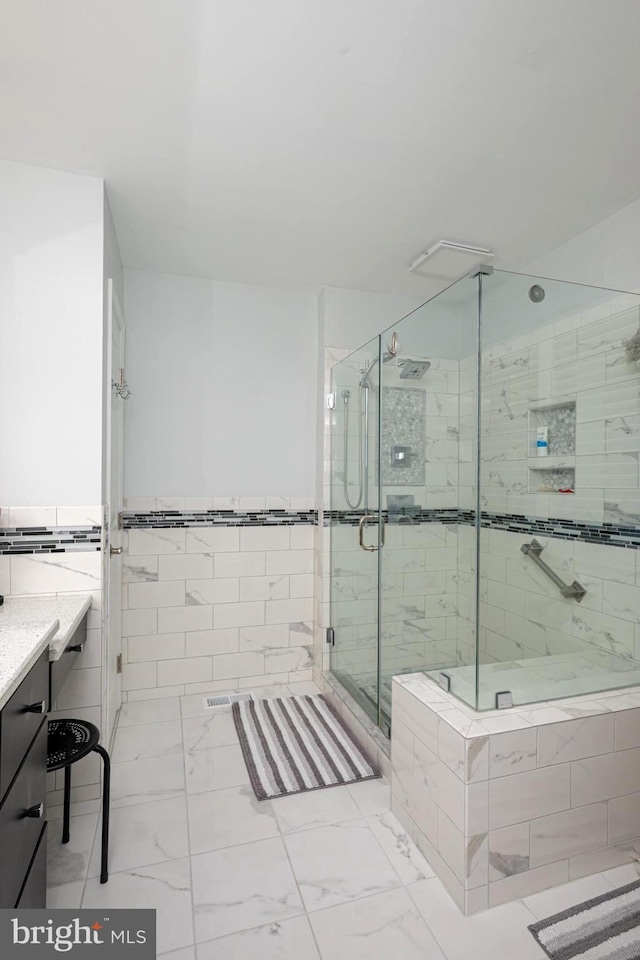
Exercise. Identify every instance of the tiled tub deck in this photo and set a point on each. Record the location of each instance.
(507, 803)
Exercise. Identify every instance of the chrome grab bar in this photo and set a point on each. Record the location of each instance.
(574, 591)
(361, 525)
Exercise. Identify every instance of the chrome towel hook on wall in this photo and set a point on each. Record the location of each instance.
(121, 386)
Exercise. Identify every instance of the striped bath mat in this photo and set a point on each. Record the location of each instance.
(294, 744)
(605, 928)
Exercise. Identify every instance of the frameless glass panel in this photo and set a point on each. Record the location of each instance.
(428, 494)
(560, 444)
(355, 530)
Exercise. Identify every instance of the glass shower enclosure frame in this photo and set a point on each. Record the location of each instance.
(485, 510)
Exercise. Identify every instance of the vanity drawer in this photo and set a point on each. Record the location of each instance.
(20, 833)
(20, 719)
(34, 892)
(61, 668)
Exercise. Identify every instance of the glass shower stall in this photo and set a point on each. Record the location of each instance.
(485, 507)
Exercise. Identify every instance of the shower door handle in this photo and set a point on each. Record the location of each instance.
(369, 547)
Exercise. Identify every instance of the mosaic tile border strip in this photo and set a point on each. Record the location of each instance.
(608, 534)
(218, 518)
(19, 540)
(352, 517)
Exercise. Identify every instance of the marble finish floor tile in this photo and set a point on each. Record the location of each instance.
(319, 876)
(283, 940)
(242, 887)
(337, 863)
(620, 876)
(215, 769)
(548, 902)
(166, 886)
(377, 928)
(187, 953)
(191, 705)
(224, 818)
(69, 862)
(305, 811)
(371, 796)
(403, 854)
(303, 688)
(140, 781)
(68, 895)
(207, 730)
(493, 935)
(149, 711)
(147, 740)
(144, 834)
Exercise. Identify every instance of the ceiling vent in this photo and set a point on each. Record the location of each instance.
(447, 260)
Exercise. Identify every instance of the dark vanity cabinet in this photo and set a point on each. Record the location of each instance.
(23, 771)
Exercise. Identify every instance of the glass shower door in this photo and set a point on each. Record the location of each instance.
(355, 529)
(428, 491)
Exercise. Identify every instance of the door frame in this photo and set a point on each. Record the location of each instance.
(112, 535)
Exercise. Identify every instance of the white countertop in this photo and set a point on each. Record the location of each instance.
(27, 626)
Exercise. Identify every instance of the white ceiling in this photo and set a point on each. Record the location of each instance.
(308, 142)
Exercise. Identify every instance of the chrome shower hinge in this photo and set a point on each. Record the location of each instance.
(504, 700)
(331, 401)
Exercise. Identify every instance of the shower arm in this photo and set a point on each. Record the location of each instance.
(572, 591)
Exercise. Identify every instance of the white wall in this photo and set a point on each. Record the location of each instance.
(51, 259)
(223, 378)
(353, 317)
(607, 255)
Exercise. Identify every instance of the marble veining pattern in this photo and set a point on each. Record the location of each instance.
(244, 898)
(558, 799)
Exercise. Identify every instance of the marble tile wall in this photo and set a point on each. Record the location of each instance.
(523, 615)
(421, 603)
(579, 359)
(62, 573)
(507, 803)
(216, 608)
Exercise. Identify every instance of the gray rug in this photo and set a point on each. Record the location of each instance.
(605, 928)
(295, 744)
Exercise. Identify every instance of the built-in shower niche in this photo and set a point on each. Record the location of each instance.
(555, 472)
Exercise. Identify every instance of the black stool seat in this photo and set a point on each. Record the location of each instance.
(70, 740)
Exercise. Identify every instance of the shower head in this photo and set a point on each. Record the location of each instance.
(366, 371)
(413, 369)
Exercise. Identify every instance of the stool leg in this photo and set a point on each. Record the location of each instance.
(106, 790)
(67, 804)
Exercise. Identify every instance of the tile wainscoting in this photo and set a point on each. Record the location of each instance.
(218, 594)
(507, 803)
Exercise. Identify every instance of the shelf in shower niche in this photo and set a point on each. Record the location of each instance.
(552, 463)
(553, 475)
(552, 403)
(552, 419)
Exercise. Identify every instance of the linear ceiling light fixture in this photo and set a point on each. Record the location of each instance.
(449, 259)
